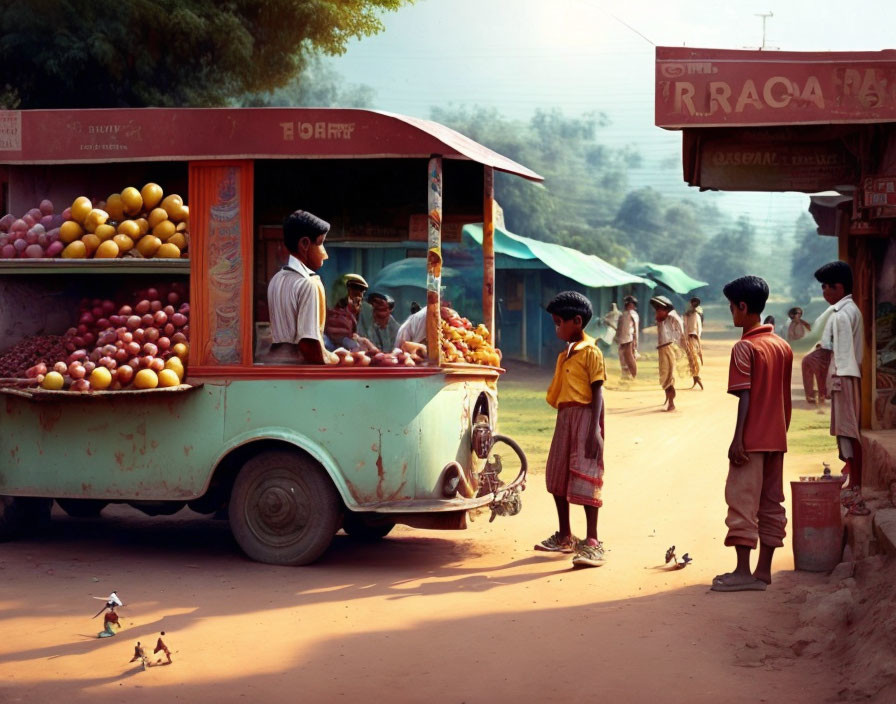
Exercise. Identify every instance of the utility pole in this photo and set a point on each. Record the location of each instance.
(764, 16)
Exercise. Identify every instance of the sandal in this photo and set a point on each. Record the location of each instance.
(729, 582)
(558, 543)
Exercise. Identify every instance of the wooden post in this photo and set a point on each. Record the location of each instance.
(488, 251)
(434, 259)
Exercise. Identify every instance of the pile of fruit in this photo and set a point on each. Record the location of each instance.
(410, 355)
(461, 342)
(114, 347)
(35, 235)
(32, 351)
(144, 224)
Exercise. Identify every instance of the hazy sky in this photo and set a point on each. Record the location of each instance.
(577, 55)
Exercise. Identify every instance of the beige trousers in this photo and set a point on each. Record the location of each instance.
(754, 493)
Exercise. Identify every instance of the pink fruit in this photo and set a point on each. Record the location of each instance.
(76, 370)
(19, 225)
(60, 367)
(155, 306)
(8, 251)
(80, 386)
(146, 320)
(125, 311)
(160, 318)
(89, 366)
(133, 322)
(125, 374)
(55, 248)
(20, 245)
(6, 221)
(142, 307)
(34, 251)
(179, 320)
(151, 334)
(46, 206)
(152, 294)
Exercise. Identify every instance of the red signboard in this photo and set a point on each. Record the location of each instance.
(193, 134)
(880, 191)
(718, 88)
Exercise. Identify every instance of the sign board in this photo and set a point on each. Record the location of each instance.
(761, 161)
(719, 88)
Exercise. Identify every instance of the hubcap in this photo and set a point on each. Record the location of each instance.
(279, 509)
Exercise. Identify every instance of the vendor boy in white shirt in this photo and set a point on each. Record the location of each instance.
(844, 336)
(297, 301)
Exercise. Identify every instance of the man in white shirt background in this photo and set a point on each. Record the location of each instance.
(627, 336)
(844, 336)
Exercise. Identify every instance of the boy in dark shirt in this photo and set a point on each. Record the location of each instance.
(759, 375)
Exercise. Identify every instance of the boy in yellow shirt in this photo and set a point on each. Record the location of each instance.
(575, 466)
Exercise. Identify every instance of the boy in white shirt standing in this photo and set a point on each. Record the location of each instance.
(627, 337)
(693, 323)
(844, 336)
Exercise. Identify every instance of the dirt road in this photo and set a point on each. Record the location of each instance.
(427, 616)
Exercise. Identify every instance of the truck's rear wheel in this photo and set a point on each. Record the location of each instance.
(23, 515)
(82, 508)
(284, 510)
(361, 528)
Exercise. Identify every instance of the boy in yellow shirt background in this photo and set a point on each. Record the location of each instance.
(575, 465)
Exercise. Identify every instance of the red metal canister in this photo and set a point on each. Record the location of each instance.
(817, 525)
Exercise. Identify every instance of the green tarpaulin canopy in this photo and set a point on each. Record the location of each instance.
(587, 269)
(408, 272)
(669, 276)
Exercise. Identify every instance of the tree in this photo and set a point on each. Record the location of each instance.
(727, 256)
(584, 180)
(318, 85)
(811, 250)
(98, 53)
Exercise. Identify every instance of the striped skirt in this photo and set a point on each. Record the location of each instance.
(569, 473)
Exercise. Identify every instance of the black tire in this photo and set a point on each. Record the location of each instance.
(358, 527)
(284, 510)
(21, 516)
(82, 508)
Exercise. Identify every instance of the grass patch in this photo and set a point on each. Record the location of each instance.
(810, 432)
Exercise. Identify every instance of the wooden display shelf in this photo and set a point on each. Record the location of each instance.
(94, 266)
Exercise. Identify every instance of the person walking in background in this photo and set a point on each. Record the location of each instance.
(693, 326)
(575, 466)
(627, 337)
(844, 336)
(759, 375)
(798, 327)
(669, 332)
(109, 620)
(161, 647)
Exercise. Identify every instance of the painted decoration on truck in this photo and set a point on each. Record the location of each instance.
(225, 271)
(884, 414)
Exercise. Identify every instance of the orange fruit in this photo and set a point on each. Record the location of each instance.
(129, 228)
(168, 377)
(168, 251)
(91, 242)
(181, 349)
(69, 231)
(164, 230)
(75, 250)
(100, 378)
(125, 243)
(94, 219)
(177, 366)
(144, 225)
(107, 250)
(133, 201)
(178, 240)
(152, 195)
(115, 207)
(104, 232)
(53, 381)
(173, 204)
(80, 208)
(156, 216)
(146, 379)
(148, 245)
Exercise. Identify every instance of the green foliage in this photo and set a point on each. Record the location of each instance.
(811, 251)
(97, 53)
(318, 85)
(727, 256)
(584, 180)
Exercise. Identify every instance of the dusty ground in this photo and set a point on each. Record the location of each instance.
(427, 616)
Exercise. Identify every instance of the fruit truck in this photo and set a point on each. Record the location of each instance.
(288, 453)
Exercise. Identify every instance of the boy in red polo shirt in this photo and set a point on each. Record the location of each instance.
(759, 375)
(575, 466)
